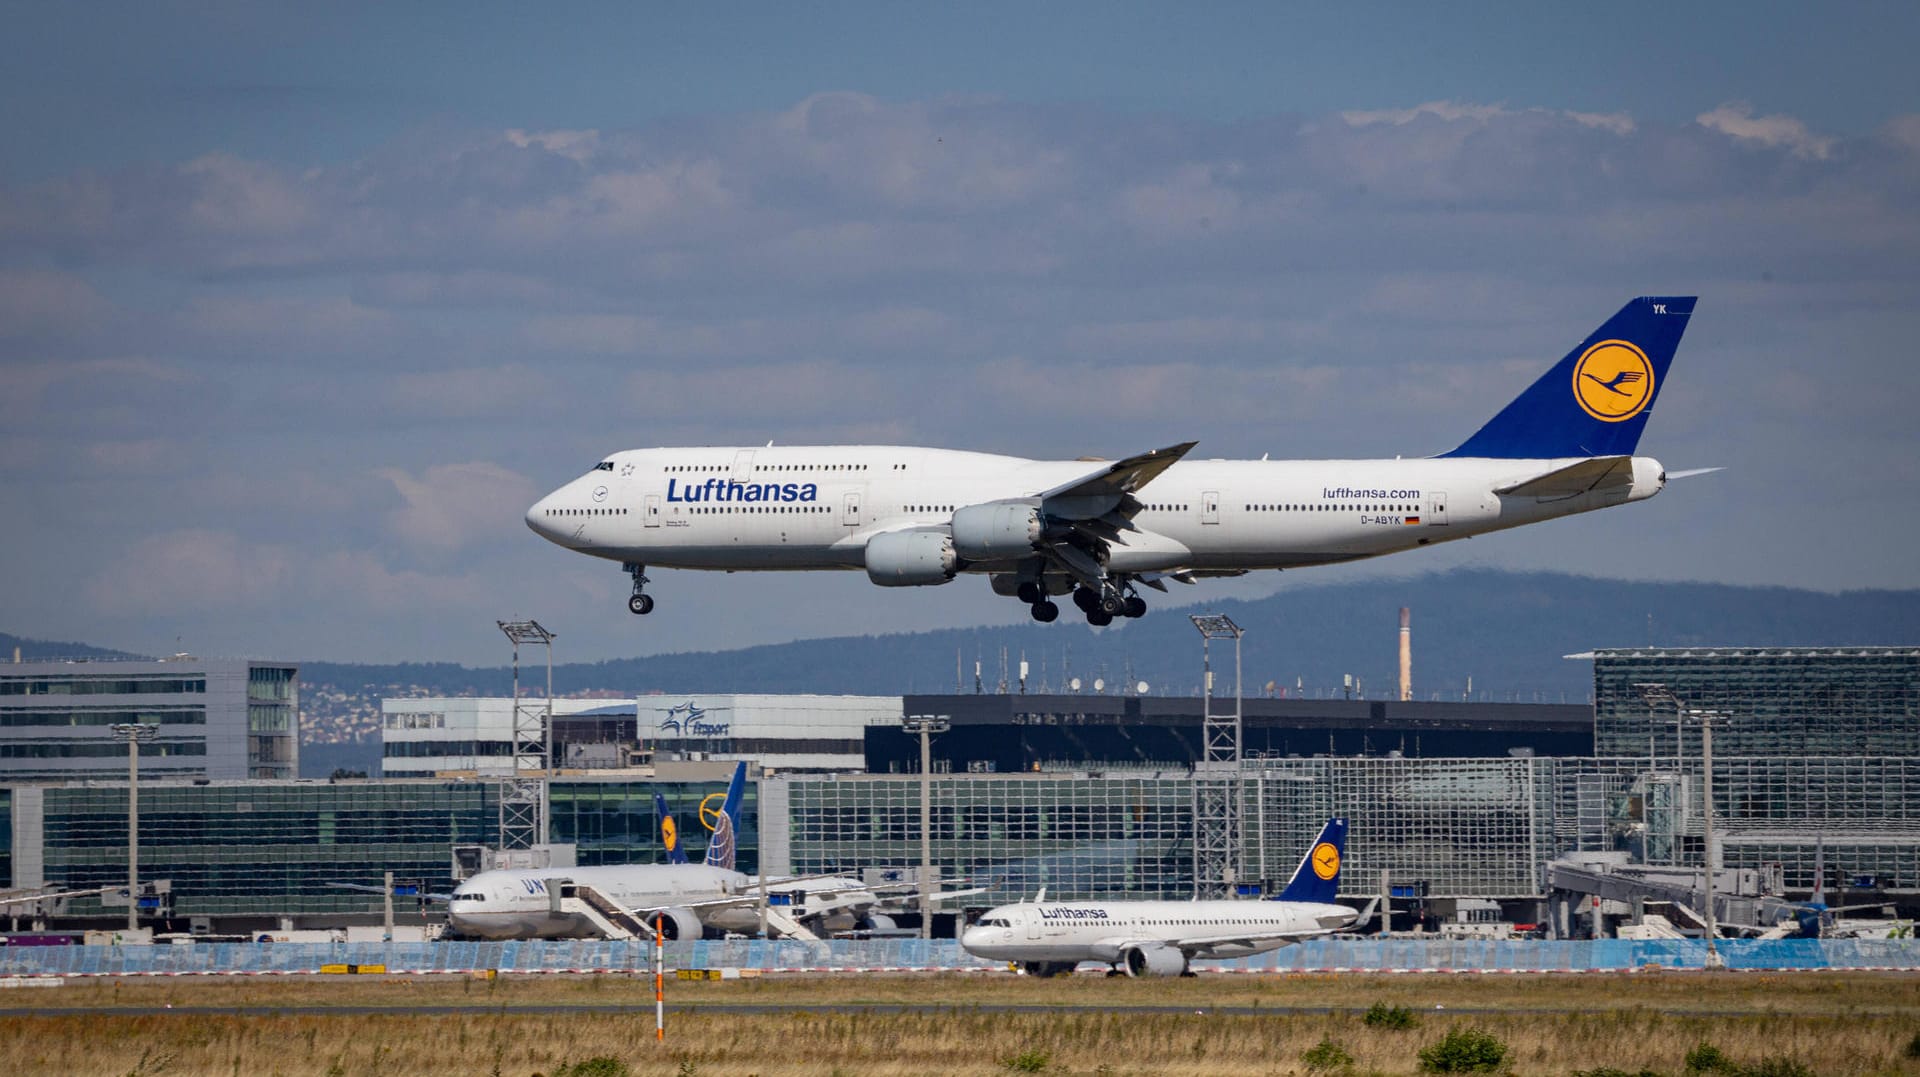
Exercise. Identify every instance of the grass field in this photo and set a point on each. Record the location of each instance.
(1864, 1023)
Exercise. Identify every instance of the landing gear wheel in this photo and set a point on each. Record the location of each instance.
(1045, 612)
(1086, 599)
(1136, 607)
(640, 603)
(1099, 618)
(1112, 603)
(1030, 592)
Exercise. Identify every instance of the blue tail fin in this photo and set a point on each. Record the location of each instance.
(1317, 879)
(669, 831)
(1596, 401)
(726, 828)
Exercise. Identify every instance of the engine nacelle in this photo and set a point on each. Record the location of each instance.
(1153, 961)
(678, 923)
(996, 532)
(911, 558)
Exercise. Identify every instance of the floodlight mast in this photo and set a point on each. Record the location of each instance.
(135, 734)
(1218, 787)
(1658, 694)
(524, 812)
(926, 725)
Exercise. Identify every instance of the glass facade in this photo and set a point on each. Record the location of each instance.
(614, 822)
(266, 849)
(1779, 701)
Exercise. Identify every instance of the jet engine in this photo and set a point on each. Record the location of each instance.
(1153, 961)
(911, 558)
(996, 532)
(678, 923)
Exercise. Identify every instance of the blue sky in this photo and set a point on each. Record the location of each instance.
(300, 306)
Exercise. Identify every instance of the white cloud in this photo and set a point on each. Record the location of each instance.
(450, 506)
(1449, 111)
(1736, 120)
(191, 570)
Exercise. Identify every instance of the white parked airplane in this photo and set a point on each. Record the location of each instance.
(1160, 938)
(687, 899)
(1040, 528)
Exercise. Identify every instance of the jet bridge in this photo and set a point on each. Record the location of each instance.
(1740, 906)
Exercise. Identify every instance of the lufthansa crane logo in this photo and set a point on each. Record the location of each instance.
(1613, 381)
(669, 833)
(1326, 860)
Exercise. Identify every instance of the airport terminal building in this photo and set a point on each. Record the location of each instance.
(1817, 754)
(219, 719)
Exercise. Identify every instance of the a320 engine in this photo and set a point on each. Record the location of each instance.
(999, 532)
(911, 558)
(1151, 960)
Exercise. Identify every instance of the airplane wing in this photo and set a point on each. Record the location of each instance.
(364, 889)
(1114, 480)
(1087, 514)
(1203, 945)
(1575, 479)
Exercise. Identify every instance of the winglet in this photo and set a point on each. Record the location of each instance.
(1317, 879)
(669, 831)
(726, 829)
(1596, 400)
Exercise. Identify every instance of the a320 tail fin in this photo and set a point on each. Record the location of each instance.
(1595, 401)
(669, 831)
(726, 828)
(1317, 879)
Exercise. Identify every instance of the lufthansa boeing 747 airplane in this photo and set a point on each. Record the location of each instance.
(1099, 531)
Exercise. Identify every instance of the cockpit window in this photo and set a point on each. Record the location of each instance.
(604, 465)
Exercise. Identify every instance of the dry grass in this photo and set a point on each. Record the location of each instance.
(1835, 1024)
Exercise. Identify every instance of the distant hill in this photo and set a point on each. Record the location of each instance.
(36, 649)
(1507, 631)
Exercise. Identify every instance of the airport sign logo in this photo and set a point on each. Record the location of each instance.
(1613, 381)
(1326, 860)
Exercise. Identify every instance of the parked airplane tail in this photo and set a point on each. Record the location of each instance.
(669, 831)
(1595, 401)
(1317, 879)
(726, 828)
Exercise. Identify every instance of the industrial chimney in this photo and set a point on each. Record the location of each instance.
(1406, 655)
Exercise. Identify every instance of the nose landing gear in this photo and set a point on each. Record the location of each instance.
(641, 603)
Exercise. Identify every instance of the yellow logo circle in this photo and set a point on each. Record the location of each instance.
(1326, 860)
(669, 833)
(710, 817)
(1613, 381)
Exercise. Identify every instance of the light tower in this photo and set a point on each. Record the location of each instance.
(523, 798)
(926, 725)
(1218, 789)
(135, 734)
(1659, 695)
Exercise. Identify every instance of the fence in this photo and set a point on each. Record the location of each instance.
(1321, 955)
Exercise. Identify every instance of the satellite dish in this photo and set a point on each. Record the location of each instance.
(1073, 685)
(1141, 688)
(1099, 684)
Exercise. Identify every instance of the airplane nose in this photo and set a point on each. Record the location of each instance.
(540, 519)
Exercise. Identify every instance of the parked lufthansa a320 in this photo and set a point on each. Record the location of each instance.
(1099, 531)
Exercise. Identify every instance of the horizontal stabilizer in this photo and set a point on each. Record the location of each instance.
(1575, 479)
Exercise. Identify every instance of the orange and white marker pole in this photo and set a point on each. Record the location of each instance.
(659, 981)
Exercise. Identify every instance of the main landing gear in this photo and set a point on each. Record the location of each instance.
(1038, 603)
(641, 602)
(1109, 601)
(1101, 601)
